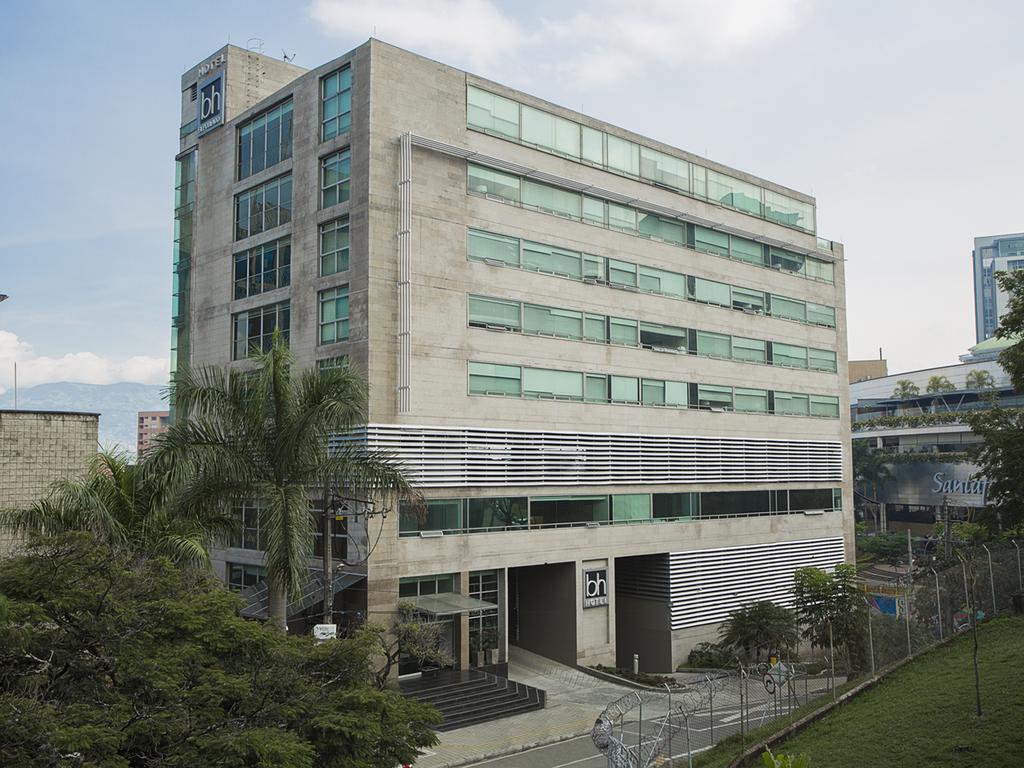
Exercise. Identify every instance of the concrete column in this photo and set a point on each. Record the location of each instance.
(462, 627)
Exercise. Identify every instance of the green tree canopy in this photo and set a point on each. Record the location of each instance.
(123, 509)
(757, 627)
(831, 600)
(115, 660)
(905, 388)
(979, 379)
(1011, 326)
(263, 437)
(939, 384)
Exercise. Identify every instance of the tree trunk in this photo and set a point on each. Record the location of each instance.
(277, 609)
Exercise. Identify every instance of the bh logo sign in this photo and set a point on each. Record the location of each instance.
(210, 104)
(595, 588)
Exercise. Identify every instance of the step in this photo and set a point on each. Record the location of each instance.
(476, 719)
(419, 688)
(482, 703)
(449, 692)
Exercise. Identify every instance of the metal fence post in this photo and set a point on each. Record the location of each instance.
(910, 579)
(938, 602)
(669, 718)
(991, 579)
(711, 706)
(871, 638)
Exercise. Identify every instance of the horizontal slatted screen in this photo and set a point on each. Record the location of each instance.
(468, 457)
(708, 584)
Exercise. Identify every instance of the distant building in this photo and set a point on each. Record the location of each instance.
(151, 424)
(38, 448)
(860, 370)
(995, 253)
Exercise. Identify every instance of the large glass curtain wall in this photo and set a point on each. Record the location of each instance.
(511, 120)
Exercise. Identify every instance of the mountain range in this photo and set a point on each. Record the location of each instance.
(117, 404)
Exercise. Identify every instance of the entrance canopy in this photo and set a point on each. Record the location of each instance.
(448, 604)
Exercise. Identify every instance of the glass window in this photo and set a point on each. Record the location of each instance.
(622, 155)
(503, 512)
(746, 250)
(568, 510)
(246, 534)
(670, 231)
(787, 261)
(334, 241)
(544, 382)
(622, 331)
(723, 503)
(594, 267)
(751, 350)
(621, 272)
(713, 344)
(335, 173)
(332, 363)
(659, 336)
(676, 394)
(560, 202)
(788, 308)
(810, 498)
(254, 329)
(552, 322)
(662, 281)
(592, 146)
(823, 405)
(786, 210)
(710, 240)
(820, 270)
(596, 388)
(837, 498)
(652, 392)
(751, 400)
(595, 328)
(664, 169)
(710, 396)
(821, 360)
(494, 313)
(631, 506)
(733, 192)
(547, 258)
(625, 389)
(622, 217)
(484, 246)
(819, 314)
(744, 298)
(550, 132)
(242, 576)
(484, 181)
(791, 404)
(336, 98)
(334, 314)
(711, 292)
(262, 268)
(264, 207)
(265, 140)
(675, 506)
(789, 355)
(490, 379)
(492, 113)
(593, 211)
(431, 515)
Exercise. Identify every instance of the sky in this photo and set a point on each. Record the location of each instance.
(903, 119)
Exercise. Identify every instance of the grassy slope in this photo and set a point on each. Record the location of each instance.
(923, 714)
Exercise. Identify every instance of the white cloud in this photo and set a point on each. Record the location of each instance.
(604, 42)
(83, 367)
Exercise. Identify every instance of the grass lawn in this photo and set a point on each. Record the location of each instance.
(923, 714)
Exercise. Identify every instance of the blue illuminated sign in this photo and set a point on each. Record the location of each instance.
(210, 104)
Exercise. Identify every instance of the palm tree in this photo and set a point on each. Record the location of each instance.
(939, 384)
(979, 378)
(123, 509)
(263, 437)
(905, 388)
(759, 626)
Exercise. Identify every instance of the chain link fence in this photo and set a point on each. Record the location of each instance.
(902, 616)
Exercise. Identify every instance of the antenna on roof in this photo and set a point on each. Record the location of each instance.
(286, 57)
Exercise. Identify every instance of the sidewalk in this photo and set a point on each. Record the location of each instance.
(574, 700)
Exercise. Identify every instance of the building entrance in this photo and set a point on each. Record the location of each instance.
(542, 610)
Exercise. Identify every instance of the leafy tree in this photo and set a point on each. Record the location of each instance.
(124, 509)
(114, 660)
(263, 437)
(760, 626)
(1000, 457)
(939, 384)
(710, 656)
(980, 379)
(884, 547)
(422, 641)
(1011, 326)
(905, 388)
(827, 601)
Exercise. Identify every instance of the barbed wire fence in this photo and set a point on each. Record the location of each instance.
(902, 616)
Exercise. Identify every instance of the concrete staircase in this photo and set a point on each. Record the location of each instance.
(472, 696)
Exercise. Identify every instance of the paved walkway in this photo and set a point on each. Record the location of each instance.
(574, 700)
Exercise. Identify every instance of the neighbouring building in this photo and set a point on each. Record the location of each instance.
(617, 370)
(39, 447)
(867, 369)
(151, 424)
(995, 253)
(927, 440)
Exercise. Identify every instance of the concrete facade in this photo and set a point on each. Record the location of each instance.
(151, 424)
(992, 254)
(419, 297)
(38, 448)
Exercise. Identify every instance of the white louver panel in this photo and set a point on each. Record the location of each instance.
(471, 457)
(708, 584)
